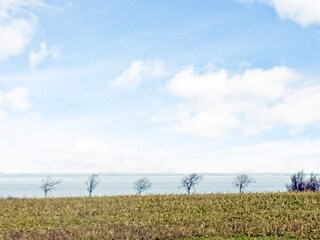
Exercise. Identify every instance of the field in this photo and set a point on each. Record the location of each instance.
(212, 216)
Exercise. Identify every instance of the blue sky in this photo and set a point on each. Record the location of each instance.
(159, 86)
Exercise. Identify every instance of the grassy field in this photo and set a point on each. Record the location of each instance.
(212, 216)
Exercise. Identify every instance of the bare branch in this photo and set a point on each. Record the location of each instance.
(299, 183)
(48, 185)
(142, 185)
(313, 183)
(92, 183)
(242, 182)
(190, 181)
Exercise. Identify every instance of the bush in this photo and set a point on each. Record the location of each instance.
(313, 183)
(299, 183)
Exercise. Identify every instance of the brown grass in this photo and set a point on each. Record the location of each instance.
(245, 216)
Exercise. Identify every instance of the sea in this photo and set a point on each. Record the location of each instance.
(110, 184)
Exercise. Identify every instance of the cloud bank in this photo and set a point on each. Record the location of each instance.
(217, 103)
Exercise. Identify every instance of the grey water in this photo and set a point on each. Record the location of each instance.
(27, 185)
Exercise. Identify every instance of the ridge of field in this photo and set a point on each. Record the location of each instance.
(199, 216)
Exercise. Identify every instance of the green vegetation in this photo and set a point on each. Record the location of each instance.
(212, 216)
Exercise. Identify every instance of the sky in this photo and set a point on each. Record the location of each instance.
(137, 86)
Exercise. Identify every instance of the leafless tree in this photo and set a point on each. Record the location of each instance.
(142, 185)
(92, 183)
(313, 183)
(190, 181)
(242, 182)
(298, 182)
(48, 185)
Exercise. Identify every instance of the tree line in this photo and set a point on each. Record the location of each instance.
(188, 183)
(299, 182)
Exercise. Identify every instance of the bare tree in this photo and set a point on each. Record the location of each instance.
(190, 181)
(298, 182)
(92, 183)
(48, 185)
(242, 182)
(313, 183)
(142, 185)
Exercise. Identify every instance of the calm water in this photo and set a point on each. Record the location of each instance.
(27, 185)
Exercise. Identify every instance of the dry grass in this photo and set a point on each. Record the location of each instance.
(214, 216)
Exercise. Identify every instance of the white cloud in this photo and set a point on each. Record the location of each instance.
(274, 156)
(15, 36)
(68, 146)
(16, 115)
(96, 154)
(303, 12)
(65, 147)
(17, 25)
(296, 110)
(210, 103)
(73, 146)
(138, 72)
(213, 104)
(16, 120)
(35, 58)
(16, 99)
